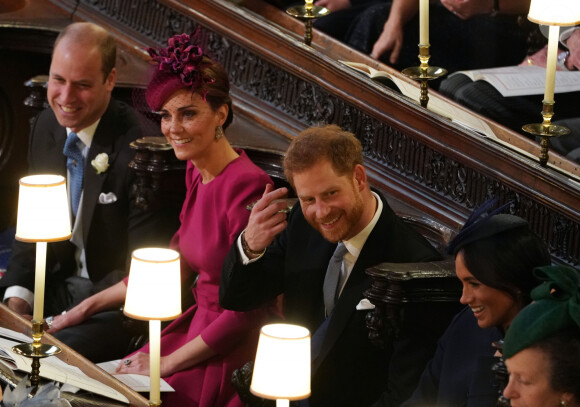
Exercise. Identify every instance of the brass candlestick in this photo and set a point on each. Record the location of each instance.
(307, 13)
(424, 73)
(36, 351)
(546, 130)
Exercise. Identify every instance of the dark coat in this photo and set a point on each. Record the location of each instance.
(110, 231)
(350, 371)
(460, 373)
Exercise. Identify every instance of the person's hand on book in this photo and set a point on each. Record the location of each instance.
(537, 59)
(135, 364)
(540, 59)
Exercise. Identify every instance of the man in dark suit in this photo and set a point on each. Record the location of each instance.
(277, 256)
(107, 223)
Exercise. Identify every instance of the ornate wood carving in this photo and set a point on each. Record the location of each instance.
(160, 175)
(395, 288)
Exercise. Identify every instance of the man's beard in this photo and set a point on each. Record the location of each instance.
(348, 221)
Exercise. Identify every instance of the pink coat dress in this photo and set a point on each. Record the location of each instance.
(212, 216)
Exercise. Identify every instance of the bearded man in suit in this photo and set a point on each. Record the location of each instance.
(107, 223)
(290, 256)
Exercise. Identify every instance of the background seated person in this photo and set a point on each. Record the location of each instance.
(542, 345)
(337, 213)
(202, 348)
(516, 111)
(494, 259)
(464, 34)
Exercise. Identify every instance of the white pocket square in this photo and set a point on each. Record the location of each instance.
(365, 304)
(108, 198)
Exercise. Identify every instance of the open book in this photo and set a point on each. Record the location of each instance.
(436, 103)
(52, 368)
(380, 76)
(137, 382)
(523, 80)
(462, 116)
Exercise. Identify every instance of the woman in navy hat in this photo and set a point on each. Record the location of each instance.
(494, 258)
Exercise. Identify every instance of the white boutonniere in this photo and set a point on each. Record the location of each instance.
(101, 163)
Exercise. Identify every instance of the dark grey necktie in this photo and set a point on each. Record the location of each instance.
(332, 280)
(75, 164)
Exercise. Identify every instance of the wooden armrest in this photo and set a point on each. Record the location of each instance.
(396, 283)
(417, 288)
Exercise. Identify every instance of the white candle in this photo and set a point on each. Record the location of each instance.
(423, 22)
(553, 37)
(155, 360)
(39, 281)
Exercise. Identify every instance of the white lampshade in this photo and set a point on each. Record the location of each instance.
(282, 366)
(555, 12)
(154, 287)
(43, 213)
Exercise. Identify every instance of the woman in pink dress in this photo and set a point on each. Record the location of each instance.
(202, 348)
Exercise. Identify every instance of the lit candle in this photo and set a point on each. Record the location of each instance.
(155, 360)
(39, 281)
(423, 22)
(309, 4)
(553, 37)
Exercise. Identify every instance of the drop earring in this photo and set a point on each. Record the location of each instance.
(219, 132)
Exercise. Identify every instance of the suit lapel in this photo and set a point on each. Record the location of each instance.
(58, 134)
(93, 183)
(371, 254)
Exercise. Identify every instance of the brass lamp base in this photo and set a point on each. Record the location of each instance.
(546, 130)
(307, 14)
(36, 351)
(424, 73)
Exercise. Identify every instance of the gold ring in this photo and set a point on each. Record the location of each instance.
(530, 61)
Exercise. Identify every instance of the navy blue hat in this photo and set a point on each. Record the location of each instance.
(482, 224)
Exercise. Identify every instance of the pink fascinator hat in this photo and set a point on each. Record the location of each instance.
(179, 65)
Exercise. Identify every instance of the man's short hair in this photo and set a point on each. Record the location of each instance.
(91, 34)
(341, 148)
